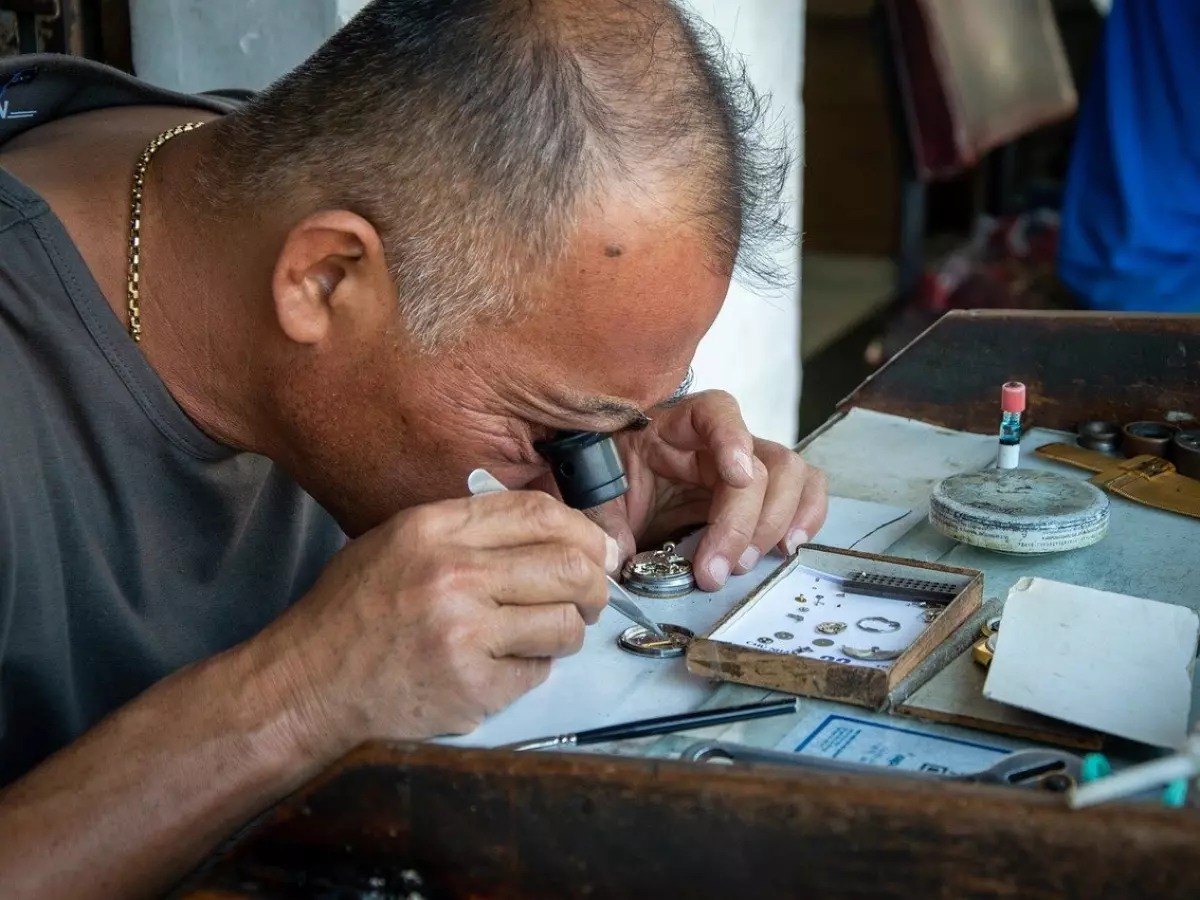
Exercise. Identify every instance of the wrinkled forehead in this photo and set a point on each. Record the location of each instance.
(628, 307)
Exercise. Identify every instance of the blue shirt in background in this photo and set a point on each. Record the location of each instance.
(1131, 212)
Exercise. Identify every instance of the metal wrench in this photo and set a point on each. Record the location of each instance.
(1049, 770)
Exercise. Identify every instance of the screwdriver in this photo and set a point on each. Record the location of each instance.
(482, 481)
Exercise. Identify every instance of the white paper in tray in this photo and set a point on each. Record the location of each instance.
(785, 620)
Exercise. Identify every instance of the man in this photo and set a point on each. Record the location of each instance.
(458, 228)
(1131, 212)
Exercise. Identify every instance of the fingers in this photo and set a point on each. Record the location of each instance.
(811, 510)
(780, 524)
(733, 521)
(543, 574)
(510, 519)
(614, 520)
(550, 631)
(784, 506)
(712, 422)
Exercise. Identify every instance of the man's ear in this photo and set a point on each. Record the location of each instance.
(331, 265)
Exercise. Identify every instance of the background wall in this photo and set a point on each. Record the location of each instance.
(753, 351)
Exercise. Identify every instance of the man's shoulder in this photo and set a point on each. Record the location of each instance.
(41, 88)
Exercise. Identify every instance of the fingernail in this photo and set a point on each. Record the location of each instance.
(612, 555)
(749, 559)
(741, 459)
(719, 570)
(795, 539)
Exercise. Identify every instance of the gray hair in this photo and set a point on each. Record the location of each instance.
(471, 133)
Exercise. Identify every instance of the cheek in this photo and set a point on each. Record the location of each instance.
(503, 447)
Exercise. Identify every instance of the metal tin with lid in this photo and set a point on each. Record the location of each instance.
(659, 573)
(1019, 511)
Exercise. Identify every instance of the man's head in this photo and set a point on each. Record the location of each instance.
(499, 218)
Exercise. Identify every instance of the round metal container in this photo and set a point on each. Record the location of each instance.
(1101, 436)
(1147, 437)
(1019, 511)
(1185, 452)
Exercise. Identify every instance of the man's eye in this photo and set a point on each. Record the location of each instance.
(639, 424)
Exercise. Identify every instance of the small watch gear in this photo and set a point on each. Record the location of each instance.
(831, 627)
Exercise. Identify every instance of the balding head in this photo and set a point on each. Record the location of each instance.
(477, 135)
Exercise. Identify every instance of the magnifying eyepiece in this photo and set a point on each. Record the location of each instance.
(587, 467)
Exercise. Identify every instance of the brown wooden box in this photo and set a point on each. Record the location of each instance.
(860, 685)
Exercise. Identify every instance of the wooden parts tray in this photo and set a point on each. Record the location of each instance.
(831, 680)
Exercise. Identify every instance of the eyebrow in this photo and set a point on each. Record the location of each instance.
(631, 415)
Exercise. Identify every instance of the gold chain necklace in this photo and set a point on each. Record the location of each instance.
(132, 297)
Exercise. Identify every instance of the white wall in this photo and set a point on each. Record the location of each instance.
(753, 350)
(202, 45)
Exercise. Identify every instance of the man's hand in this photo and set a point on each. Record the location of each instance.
(447, 613)
(697, 463)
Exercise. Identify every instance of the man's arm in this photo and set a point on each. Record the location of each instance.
(141, 798)
(422, 627)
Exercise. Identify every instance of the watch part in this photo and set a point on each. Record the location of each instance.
(642, 642)
(784, 635)
(898, 587)
(991, 626)
(659, 573)
(831, 627)
(983, 650)
(930, 616)
(795, 617)
(878, 625)
(822, 642)
(872, 654)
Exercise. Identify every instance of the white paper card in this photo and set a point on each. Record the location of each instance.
(1117, 664)
(855, 740)
(788, 619)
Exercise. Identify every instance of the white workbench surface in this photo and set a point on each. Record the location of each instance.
(882, 459)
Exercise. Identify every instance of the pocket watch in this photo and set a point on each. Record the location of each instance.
(659, 573)
(641, 641)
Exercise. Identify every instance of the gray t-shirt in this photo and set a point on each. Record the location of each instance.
(131, 544)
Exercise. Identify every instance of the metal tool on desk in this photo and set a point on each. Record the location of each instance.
(1049, 770)
(705, 718)
(482, 481)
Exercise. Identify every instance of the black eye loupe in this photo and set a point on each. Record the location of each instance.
(587, 467)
